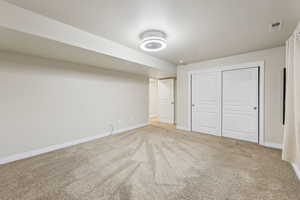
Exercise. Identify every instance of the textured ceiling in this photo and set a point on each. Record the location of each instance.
(197, 29)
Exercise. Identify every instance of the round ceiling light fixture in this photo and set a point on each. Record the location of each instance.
(153, 40)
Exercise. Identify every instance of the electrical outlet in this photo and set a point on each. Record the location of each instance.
(111, 129)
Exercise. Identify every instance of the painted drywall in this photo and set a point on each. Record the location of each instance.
(98, 51)
(291, 141)
(46, 102)
(274, 64)
(297, 65)
(153, 98)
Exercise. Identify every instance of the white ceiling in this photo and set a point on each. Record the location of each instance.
(197, 29)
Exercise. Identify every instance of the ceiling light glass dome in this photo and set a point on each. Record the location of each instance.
(153, 40)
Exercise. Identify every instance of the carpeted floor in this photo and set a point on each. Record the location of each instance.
(153, 163)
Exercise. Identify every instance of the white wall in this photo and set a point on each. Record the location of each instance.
(291, 141)
(46, 102)
(297, 64)
(153, 98)
(274, 64)
(297, 112)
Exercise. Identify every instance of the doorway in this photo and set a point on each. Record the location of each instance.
(153, 99)
(162, 100)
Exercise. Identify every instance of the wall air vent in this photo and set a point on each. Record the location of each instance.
(276, 26)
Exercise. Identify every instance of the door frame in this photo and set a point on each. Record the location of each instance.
(220, 69)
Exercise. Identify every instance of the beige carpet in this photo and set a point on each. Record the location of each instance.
(153, 163)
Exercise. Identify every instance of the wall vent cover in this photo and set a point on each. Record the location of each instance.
(276, 26)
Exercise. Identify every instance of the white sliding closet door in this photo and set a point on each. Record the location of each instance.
(240, 104)
(206, 113)
(166, 100)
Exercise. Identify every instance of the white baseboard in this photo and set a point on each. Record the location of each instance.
(130, 128)
(297, 170)
(183, 128)
(36, 152)
(273, 145)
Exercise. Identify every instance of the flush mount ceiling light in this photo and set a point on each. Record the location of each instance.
(153, 40)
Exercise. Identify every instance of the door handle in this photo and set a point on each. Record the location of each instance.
(255, 108)
(172, 103)
(193, 105)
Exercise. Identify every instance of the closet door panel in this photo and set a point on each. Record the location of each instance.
(205, 103)
(240, 104)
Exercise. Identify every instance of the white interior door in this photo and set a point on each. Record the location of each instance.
(166, 100)
(240, 104)
(206, 91)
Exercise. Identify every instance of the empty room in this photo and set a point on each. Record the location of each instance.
(149, 100)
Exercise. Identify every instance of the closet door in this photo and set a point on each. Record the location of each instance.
(240, 104)
(206, 93)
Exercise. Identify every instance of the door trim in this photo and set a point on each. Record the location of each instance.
(220, 69)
